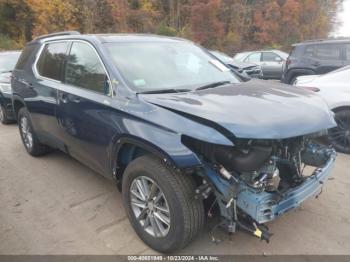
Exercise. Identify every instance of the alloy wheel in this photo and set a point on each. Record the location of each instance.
(340, 135)
(150, 206)
(26, 133)
(2, 116)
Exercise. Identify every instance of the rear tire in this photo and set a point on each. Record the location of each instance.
(185, 214)
(3, 116)
(293, 80)
(29, 138)
(339, 136)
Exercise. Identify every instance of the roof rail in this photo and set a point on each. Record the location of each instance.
(58, 34)
(327, 39)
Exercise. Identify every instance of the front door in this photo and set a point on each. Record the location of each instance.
(83, 114)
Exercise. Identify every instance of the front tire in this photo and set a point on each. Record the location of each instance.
(160, 204)
(339, 136)
(29, 138)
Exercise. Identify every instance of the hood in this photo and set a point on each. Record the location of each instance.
(241, 65)
(256, 109)
(306, 79)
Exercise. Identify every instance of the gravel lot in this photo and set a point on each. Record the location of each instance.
(55, 205)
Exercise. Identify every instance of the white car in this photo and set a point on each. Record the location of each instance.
(334, 87)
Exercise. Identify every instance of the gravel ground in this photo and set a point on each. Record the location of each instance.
(55, 205)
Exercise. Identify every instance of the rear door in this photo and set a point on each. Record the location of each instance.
(327, 57)
(40, 91)
(271, 65)
(83, 113)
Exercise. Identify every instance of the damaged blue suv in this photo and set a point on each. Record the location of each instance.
(175, 129)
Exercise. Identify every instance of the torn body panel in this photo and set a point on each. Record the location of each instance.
(264, 192)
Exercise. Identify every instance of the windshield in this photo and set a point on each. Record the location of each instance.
(151, 66)
(8, 61)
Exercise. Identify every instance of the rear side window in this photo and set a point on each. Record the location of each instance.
(347, 52)
(328, 52)
(309, 51)
(253, 57)
(51, 60)
(84, 69)
(270, 57)
(25, 55)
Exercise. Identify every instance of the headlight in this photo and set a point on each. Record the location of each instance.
(5, 88)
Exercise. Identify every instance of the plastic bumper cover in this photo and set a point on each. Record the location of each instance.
(264, 206)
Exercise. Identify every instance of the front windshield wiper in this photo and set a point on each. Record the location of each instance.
(6, 71)
(212, 85)
(164, 91)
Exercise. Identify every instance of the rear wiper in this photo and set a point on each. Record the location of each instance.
(164, 91)
(215, 84)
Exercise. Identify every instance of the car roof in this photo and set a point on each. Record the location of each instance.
(107, 38)
(324, 41)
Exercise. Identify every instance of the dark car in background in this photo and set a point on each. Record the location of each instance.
(248, 70)
(8, 61)
(316, 57)
(271, 61)
(175, 129)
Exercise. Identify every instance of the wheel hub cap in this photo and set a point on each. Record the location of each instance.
(150, 206)
(1, 114)
(26, 133)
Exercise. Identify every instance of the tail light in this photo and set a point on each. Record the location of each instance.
(288, 61)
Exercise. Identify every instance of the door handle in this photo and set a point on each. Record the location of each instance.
(76, 100)
(315, 64)
(26, 84)
(63, 98)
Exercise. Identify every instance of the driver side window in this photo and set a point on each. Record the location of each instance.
(255, 57)
(84, 69)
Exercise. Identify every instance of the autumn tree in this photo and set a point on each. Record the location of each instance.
(229, 25)
(206, 28)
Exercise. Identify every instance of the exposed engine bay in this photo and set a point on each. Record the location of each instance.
(255, 181)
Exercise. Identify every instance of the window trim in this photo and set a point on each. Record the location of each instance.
(70, 43)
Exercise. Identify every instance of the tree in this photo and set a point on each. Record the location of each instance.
(205, 26)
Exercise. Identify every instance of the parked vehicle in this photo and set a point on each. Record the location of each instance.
(316, 57)
(271, 61)
(334, 87)
(248, 70)
(175, 128)
(7, 63)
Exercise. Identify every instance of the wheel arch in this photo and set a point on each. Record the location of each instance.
(295, 72)
(127, 148)
(17, 104)
(339, 108)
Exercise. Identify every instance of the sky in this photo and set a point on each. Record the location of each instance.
(344, 18)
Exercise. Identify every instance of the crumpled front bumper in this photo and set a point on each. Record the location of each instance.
(264, 206)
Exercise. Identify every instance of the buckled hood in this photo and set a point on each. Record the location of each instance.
(255, 109)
